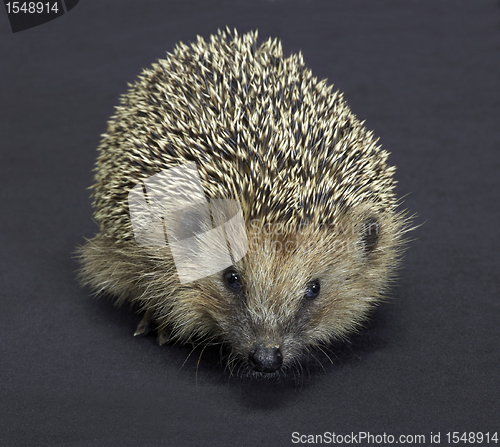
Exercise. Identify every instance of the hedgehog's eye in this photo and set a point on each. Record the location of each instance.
(313, 289)
(232, 279)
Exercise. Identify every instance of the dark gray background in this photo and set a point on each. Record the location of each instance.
(425, 77)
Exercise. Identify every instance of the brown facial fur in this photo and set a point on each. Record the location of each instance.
(315, 190)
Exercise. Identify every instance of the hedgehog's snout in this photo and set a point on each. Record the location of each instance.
(266, 359)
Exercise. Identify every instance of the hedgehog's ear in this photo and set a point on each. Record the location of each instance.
(369, 234)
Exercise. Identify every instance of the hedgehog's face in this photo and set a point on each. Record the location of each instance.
(293, 293)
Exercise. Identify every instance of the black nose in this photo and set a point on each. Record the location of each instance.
(265, 359)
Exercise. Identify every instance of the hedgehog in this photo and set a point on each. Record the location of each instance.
(317, 234)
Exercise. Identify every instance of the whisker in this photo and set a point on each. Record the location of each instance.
(198, 364)
(314, 357)
(189, 355)
(327, 356)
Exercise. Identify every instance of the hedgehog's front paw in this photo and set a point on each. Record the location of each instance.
(162, 337)
(145, 325)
